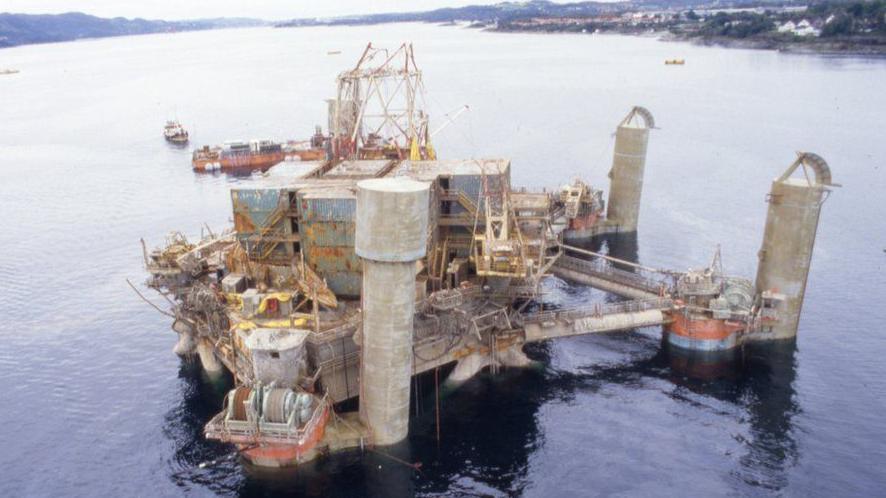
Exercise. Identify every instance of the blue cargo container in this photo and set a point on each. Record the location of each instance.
(253, 209)
(327, 237)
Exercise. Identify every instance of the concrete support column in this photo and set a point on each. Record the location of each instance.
(788, 239)
(472, 364)
(391, 235)
(628, 166)
(207, 358)
(186, 344)
(468, 367)
(388, 307)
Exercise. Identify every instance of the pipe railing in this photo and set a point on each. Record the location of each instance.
(599, 268)
(223, 429)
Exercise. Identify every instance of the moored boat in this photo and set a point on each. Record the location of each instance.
(175, 133)
(583, 210)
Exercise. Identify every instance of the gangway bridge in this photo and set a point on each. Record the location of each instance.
(601, 273)
(648, 291)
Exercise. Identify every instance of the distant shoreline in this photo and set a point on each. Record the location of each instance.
(835, 47)
(814, 48)
(839, 47)
(18, 30)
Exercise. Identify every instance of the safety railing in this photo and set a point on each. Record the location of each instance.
(462, 198)
(237, 430)
(605, 271)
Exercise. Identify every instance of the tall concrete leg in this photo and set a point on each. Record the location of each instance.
(186, 345)
(391, 235)
(786, 253)
(628, 165)
(207, 358)
(388, 307)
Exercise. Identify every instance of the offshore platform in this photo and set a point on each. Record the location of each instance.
(382, 262)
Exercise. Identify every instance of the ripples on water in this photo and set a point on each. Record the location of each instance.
(95, 403)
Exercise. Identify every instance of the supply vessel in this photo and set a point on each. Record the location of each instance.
(175, 133)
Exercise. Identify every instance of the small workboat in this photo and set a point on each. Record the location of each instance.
(675, 62)
(8, 71)
(174, 132)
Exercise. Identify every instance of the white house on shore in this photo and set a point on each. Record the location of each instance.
(802, 28)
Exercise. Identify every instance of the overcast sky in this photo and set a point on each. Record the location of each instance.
(190, 9)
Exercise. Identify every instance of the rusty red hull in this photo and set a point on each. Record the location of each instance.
(587, 226)
(317, 154)
(583, 222)
(703, 334)
(237, 162)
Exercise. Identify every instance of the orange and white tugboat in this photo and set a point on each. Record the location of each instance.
(174, 133)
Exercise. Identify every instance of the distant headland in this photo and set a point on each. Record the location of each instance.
(824, 26)
(24, 29)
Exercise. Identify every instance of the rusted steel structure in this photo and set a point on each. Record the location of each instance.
(349, 278)
(377, 113)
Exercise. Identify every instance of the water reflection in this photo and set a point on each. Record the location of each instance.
(201, 397)
(758, 379)
(699, 371)
(768, 381)
(488, 430)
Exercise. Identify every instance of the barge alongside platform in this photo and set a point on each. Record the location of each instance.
(237, 155)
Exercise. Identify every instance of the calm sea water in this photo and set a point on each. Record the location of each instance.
(95, 404)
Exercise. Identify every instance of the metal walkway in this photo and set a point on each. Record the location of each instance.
(641, 283)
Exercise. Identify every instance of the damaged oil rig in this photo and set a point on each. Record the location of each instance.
(382, 262)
